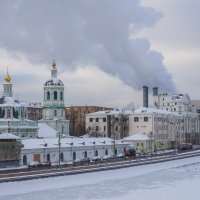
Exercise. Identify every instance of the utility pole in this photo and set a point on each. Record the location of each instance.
(59, 144)
(113, 133)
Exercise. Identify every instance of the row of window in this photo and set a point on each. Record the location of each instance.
(145, 119)
(97, 119)
(48, 156)
(55, 95)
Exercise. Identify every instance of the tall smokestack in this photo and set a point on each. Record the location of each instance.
(155, 91)
(156, 101)
(145, 96)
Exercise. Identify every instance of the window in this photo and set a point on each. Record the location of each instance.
(104, 119)
(61, 95)
(55, 113)
(174, 109)
(74, 155)
(8, 113)
(48, 95)
(24, 160)
(136, 119)
(145, 119)
(85, 154)
(91, 119)
(55, 95)
(104, 128)
(97, 119)
(48, 157)
(62, 157)
(96, 153)
(97, 128)
(106, 152)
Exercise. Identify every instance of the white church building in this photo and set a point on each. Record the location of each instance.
(14, 114)
(54, 106)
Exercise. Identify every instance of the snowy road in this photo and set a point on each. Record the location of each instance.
(173, 180)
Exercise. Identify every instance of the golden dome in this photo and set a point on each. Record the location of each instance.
(54, 64)
(7, 77)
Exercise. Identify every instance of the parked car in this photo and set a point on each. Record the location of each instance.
(34, 164)
(45, 164)
(96, 158)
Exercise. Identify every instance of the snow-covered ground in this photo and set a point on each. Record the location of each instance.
(170, 180)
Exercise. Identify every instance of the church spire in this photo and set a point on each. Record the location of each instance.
(7, 77)
(7, 92)
(54, 70)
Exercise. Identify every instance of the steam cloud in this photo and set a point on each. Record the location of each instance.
(82, 32)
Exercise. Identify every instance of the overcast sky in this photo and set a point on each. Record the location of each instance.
(105, 50)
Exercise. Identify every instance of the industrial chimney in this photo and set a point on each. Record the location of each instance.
(145, 96)
(155, 97)
(155, 91)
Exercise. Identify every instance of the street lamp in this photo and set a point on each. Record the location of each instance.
(151, 140)
(59, 144)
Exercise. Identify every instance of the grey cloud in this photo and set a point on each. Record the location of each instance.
(82, 32)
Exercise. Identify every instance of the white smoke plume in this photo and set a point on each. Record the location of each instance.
(86, 32)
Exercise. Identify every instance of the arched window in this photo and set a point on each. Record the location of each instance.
(48, 95)
(74, 155)
(96, 153)
(55, 95)
(61, 95)
(85, 154)
(8, 113)
(106, 152)
(48, 158)
(62, 157)
(24, 160)
(55, 113)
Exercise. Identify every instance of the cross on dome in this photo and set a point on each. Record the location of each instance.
(54, 64)
(7, 77)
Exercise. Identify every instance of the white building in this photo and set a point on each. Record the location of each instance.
(108, 124)
(164, 128)
(71, 149)
(14, 114)
(181, 104)
(54, 107)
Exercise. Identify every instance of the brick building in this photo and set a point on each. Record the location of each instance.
(35, 111)
(77, 114)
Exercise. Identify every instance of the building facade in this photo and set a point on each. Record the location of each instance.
(54, 108)
(77, 116)
(35, 111)
(112, 124)
(182, 105)
(71, 149)
(10, 150)
(164, 128)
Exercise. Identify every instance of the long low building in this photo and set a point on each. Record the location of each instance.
(70, 149)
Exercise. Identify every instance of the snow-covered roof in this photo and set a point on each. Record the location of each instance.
(46, 131)
(54, 81)
(111, 112)
(66, 142)
(143, 110)
(10, 101)
(5, 136)
(139, 136)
